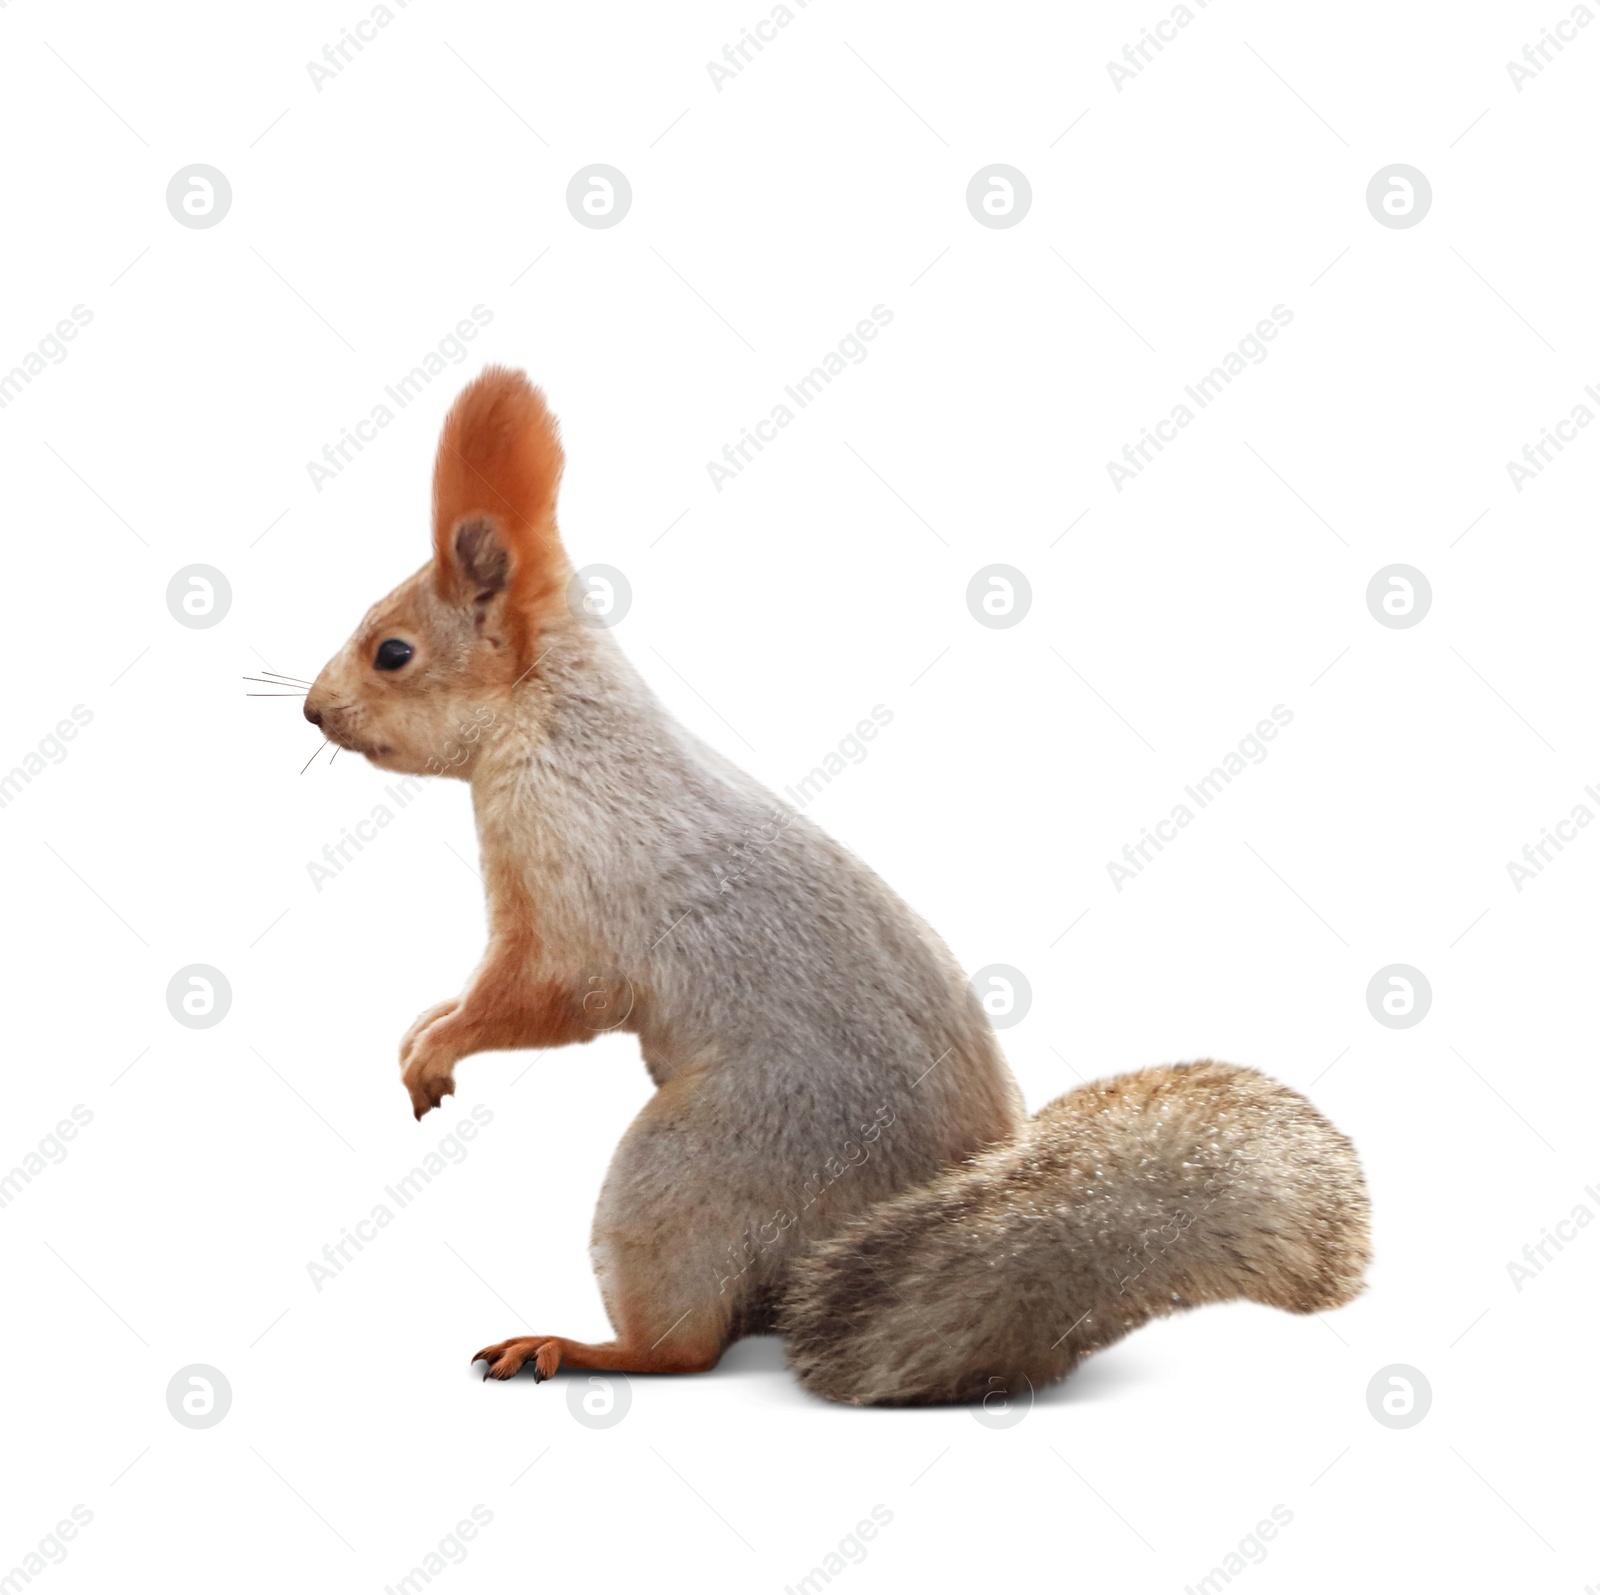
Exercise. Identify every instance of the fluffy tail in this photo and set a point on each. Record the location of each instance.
(1120, 1202)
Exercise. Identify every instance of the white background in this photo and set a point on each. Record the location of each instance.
(428, 177)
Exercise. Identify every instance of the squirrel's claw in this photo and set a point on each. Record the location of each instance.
(507, 1358)
(428, 1091)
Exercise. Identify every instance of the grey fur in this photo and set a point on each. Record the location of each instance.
(802, 1003)
(786, 1001)
(1119, 1202)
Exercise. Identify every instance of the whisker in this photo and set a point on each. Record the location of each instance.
(298, 680)
(335, 756)
(307, 765)
(265, 682)
(274, 695)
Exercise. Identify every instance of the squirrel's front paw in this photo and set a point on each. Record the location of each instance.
(429, 1083)
(427, 1061)
(408, 1041)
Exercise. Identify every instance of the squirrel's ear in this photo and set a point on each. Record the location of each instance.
(481, 575)
(494, 501)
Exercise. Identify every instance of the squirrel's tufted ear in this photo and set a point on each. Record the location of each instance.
(494, 500)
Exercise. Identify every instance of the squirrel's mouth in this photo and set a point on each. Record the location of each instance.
(336, 733)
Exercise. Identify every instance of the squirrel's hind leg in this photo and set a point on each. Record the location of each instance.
(546, 1353)
(673, 1259)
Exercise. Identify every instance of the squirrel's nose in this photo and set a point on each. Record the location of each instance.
(313, 714)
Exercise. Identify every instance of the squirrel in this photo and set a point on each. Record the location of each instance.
(836, 1149)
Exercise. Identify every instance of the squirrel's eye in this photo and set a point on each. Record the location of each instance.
(392, 653)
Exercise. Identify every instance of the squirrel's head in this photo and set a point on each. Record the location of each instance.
(421, 678)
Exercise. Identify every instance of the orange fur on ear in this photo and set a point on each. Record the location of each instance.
(500, 460)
